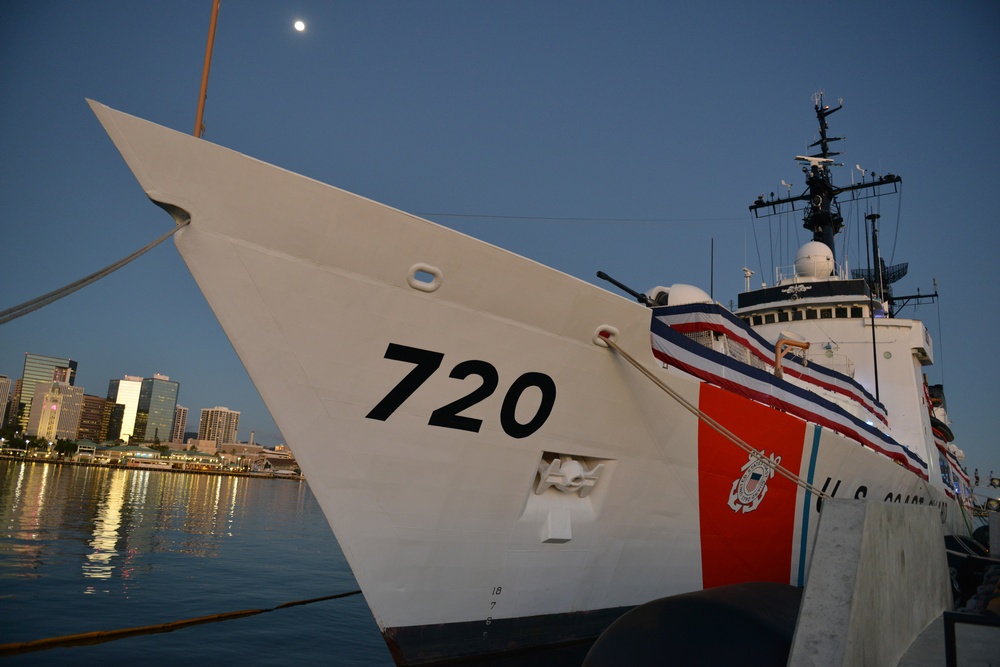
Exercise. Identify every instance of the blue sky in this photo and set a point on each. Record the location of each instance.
(622, 137)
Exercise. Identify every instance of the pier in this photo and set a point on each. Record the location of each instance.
(878, 591)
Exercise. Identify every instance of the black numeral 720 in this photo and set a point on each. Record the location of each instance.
(426, 362)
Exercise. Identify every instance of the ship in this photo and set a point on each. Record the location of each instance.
(511, 457)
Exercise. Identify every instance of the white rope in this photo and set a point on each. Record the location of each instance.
(44, 300)
(722, 430)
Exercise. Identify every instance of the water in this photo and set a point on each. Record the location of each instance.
(84, 549)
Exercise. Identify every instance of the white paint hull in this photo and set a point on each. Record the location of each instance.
(442, 526)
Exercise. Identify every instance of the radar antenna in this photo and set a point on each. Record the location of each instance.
(822, 211)
(880, 278)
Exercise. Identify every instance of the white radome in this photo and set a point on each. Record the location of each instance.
(814, 260)
(679, 294)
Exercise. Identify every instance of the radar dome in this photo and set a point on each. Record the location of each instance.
(814, 260)
(678, 295)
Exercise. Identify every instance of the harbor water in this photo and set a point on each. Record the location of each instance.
(85, 549)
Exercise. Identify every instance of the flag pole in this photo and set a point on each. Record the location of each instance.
(199, 126)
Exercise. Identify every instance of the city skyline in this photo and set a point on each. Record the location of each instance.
(150, 403)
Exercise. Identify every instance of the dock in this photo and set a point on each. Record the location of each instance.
(879, 592)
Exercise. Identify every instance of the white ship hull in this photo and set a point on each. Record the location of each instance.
(332, 301)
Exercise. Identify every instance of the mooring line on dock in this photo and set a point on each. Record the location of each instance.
(102, 636)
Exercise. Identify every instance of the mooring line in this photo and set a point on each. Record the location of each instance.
(44, 300)
(703, 416)
(102, 636)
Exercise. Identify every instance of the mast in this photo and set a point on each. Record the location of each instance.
(199, 125)
(822, 217)
(822, 211)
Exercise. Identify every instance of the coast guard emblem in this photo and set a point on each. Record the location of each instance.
(749, 489)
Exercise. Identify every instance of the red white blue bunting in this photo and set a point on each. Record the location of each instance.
(953, 463)
(698, 317)
(673, 348)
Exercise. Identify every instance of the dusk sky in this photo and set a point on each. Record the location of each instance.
(622, 137)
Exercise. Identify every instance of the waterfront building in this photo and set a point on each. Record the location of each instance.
(130, 455)
(154, 419)
(95, 416)
(218, 424)
(281, 465)
(56, 411)
(281, 451)
(40, 368)
(180, 423)
(4, 398)
(206, 446)
(194, 460)
(243, 455)
(126, 392)
(85, 450)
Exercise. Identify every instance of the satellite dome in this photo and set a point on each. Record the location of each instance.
(678, 295)
(814, 260)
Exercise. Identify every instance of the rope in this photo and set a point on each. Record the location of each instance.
(102, 636)
(722, 430)
(30, 306)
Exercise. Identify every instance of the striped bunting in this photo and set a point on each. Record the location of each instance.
(697, 317)
(956, 467)
(675, 349)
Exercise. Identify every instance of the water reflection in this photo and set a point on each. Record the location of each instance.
(23, 500)
(99, 563)
(84, 549)
(120, 517)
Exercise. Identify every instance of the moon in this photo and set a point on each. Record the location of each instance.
(300, 25)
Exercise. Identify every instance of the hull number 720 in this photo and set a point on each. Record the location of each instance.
(426, 362)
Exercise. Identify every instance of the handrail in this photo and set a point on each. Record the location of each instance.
(779, 352)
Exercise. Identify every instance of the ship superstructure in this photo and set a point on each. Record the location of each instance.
(849, 318)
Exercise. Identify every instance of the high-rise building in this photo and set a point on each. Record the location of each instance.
(14, 412)
(95, 416)
(126, 392)
(4, 398)
(154, 419)
(218, 424)
(115, 413)
(56, 411)
(149, 407)
(180, 423)
(39, 368)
